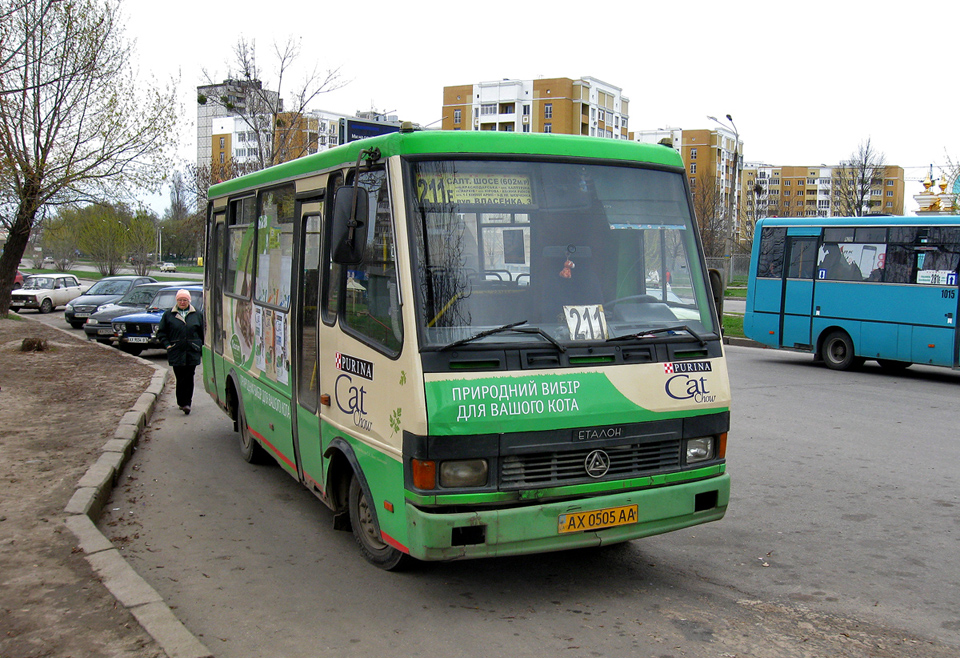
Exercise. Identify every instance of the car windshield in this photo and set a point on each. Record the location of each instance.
(581, 252)
(105, 287)
(138, 297)
(38, 283)
(168, 299)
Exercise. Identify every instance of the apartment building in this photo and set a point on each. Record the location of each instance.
(712, 157)
(798, 191)
(222, 100)
(585, 106)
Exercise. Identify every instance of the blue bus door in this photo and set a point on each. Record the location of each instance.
(796, 302)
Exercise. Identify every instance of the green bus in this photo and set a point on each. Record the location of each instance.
(473, 344)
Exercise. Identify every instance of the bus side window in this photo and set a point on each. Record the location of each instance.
(803, 257)
(770, 263)
(372, 304)
(331, 284)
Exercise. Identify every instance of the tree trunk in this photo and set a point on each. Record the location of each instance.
(17, 238)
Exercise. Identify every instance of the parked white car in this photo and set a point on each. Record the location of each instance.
(168, 267)
(45, 292)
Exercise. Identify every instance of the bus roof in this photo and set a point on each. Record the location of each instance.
(865, 220)
(457, 142)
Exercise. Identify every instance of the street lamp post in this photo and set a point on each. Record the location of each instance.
(731, 199)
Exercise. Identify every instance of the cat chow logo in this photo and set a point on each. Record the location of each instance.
(681, 386)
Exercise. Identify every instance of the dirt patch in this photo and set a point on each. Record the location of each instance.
(57, 409)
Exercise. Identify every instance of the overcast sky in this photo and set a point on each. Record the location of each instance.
(805, 82)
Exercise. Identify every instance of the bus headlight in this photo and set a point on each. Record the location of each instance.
(466, 473)
(699, 450)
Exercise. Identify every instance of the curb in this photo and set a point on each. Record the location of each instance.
(92, 491)
(742, 342)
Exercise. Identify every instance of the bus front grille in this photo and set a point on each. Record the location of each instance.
(551, 469)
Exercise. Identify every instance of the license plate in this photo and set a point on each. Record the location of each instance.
(81, 315)
(138, 339)
(602, 518)
(15, 304)
(104, 332)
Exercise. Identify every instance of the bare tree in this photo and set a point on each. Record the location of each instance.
(756, 208)
(280, 134)
(710, 209)
(854, 179)
(79, 126)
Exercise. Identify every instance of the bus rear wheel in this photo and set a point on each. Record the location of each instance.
(837, 351)
(364, 525)
(250, 449)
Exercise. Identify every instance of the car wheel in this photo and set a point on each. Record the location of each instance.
(250, 449)
(46, 305)
(838, 353)
(364, 525)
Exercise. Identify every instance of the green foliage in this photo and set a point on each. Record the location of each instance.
(76, 124)
(733, 326)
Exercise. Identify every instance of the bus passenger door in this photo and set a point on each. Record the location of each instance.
(307, 348)
(214, 314)
(797, 299)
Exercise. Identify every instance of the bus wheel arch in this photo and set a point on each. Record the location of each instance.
(837, 350)
(250, 449)
(232, 398)
(353, 496)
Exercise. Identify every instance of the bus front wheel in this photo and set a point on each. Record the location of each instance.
(372, 547)
(838, 351)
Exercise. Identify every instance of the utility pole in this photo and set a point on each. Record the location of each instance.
(731, 199)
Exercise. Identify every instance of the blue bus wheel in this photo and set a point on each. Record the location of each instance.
(837, 351)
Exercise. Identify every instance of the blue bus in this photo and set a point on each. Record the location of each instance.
(850, 289)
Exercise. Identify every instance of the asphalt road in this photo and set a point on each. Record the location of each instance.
(842, 538)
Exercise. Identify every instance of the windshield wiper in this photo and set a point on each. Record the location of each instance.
(660, 330)
(513, 326)
(541, 332)
(488, 332)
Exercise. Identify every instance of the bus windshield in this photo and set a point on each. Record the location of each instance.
(580, 252)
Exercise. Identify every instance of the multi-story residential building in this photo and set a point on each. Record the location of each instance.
(229, 98)
(585, 106)
(798, 191)
(712, 157)
(236, 147)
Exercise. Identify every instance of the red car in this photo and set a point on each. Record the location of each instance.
(18, 280)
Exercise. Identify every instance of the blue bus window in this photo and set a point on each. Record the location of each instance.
(844, 234)
(803, 257)
(871, 234)
(770, 263)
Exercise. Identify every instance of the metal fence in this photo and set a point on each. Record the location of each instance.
(740, 265)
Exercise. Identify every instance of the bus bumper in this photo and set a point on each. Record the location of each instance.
(535, 528)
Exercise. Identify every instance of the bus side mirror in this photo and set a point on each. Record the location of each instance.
(716, 286)
(349, 211)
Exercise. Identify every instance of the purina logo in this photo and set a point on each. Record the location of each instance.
(681, 367)
(355, 366)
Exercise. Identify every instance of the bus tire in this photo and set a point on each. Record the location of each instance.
(893, 366)
(837, 351)
(250, 449)
(364, 525)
